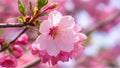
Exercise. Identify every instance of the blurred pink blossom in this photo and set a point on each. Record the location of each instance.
(8, 9)
(89, 62)
(110, 55)
(98, 11)
(1, 40)
(8, 61)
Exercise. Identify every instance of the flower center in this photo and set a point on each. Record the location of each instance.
(53, 31)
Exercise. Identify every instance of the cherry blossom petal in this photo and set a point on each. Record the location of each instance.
(35, 48)
(41, 40)
(66, 40)
(45, 25)
(66, 22)
(51, 48)
(77, 28)
(55, 17)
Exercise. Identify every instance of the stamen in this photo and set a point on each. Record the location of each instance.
(53, 31)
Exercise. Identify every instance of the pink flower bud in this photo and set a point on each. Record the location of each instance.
(22, 39)
(27, 19)
(8, 61)
(1, 40)
(18, 51)
(51, 6)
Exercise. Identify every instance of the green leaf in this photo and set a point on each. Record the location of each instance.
(41, 3)
(21, 8)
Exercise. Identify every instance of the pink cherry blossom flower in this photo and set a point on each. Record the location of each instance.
(18, 51)
(8, 61)
(57, 34)
(59, 40)
(23, 39)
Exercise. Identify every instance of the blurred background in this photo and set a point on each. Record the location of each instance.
(99, 19)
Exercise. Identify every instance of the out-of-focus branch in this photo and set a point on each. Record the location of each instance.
(99, 24)
(4, 48)
(91, 29)
(102, 23)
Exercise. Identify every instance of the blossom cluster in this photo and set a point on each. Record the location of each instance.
(59, 37)
(15, 51)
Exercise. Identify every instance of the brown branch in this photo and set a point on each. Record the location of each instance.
(19, 35)
(4, 48)
(91, 29)
(4, 25)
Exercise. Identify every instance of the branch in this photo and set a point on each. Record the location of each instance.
(19, 35)
(11, 25)
(102, 23)
(4, 48)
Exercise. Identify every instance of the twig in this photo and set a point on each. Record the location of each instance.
(11, 25)
(19, 35)
(91, 29)
(4, 48)
(102, 23)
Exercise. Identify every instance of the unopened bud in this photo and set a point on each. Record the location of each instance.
(23, 39)
(1, 40)
(27, 18)
(52, 6)
(18, 51)
(37, 21)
